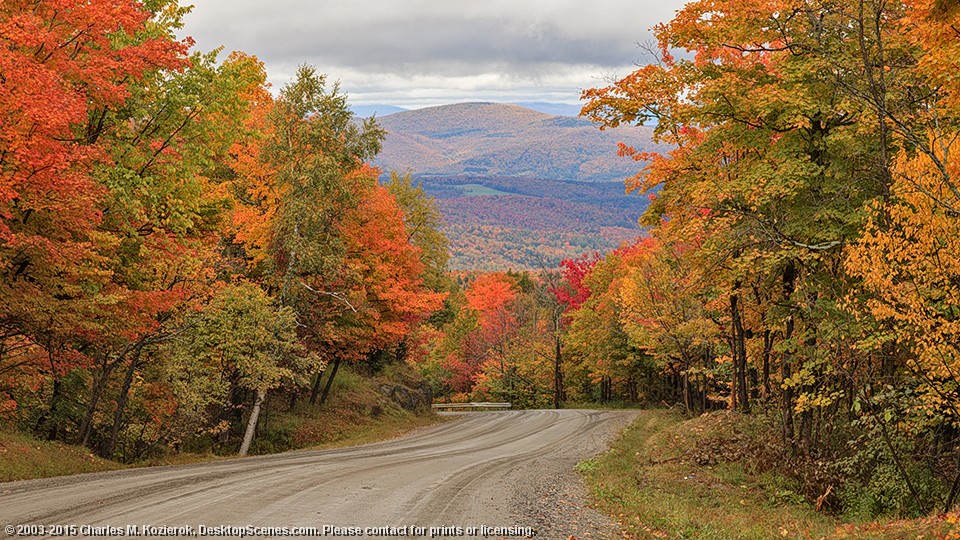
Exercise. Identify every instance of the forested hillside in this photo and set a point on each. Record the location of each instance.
(499, 223)
(492, 139)
(539, 206)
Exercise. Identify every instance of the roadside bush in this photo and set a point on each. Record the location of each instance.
(278, 437)
(886, 476)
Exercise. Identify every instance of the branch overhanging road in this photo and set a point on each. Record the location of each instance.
(492, 469)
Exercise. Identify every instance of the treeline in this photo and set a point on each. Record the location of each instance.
(487, 246)
(803, 261)
(535, 223)
(534, 214)
(497, 341)
(177, 245)
(607, 194)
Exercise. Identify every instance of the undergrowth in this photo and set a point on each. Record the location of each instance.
(716, 477)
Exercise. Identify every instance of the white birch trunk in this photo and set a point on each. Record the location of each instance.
(252, 422)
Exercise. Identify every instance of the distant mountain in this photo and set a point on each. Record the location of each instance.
(558, 109)
(518, 188)
(366, 111)
(490, 139)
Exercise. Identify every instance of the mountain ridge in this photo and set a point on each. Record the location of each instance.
(495, 139)
(554, 108)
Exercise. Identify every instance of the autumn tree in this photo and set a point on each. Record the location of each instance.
(298, 180)
(138, 179)
(167, 207)
(569, 291)
(490, 298)
(783, 121)
(72, 72)
(907, 257)
(600, 362)
(382, 283)
(501, 343)
(251, 342)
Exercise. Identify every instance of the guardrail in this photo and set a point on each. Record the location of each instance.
(472, 405)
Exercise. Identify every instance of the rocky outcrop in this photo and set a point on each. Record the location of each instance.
(419, 398)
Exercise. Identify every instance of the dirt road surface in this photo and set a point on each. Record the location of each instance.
(485, 475)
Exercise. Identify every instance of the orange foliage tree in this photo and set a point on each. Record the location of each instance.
(786, 120)
(70, 69)
(382, 294)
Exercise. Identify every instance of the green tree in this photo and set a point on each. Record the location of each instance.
(423, 221)
(299, 175)
(252, 342)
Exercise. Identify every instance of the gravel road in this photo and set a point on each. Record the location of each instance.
(485, 475)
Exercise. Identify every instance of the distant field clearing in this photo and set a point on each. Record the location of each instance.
(475, 190)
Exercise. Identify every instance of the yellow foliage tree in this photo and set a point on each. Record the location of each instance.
(909, 259)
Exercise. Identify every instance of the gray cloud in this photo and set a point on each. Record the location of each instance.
(410, 52)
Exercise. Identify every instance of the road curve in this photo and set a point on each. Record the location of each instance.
(490, 469)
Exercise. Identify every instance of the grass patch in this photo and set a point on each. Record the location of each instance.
(598, 406)
(383, 430)
(23, 457)
(670, 477)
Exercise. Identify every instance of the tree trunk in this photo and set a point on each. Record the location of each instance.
(767, 349)
(48, 421)
(98, 385)
(557, 376)
(315, 391)
(86, 426)
(734, 395)
(53, 429)
(122, 403)
(252, 421)
(789, 280)
(703, 392)
(294, 395)
(326, 389)
(741, 397)
(899, 464)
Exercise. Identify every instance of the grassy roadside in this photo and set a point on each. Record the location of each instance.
(357, 413)
(23, 457)
(657, 483)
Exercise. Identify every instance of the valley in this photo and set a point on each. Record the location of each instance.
(518, 188)
(498, 223)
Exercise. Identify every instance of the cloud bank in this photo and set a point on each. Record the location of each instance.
(414, 53)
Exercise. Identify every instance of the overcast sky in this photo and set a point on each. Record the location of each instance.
(416, 53)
